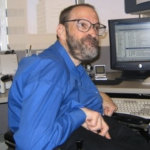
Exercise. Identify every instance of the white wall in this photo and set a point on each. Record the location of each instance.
(107, 9)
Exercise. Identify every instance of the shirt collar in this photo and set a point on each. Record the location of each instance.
(78, 70)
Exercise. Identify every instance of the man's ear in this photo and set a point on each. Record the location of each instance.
(61, 31)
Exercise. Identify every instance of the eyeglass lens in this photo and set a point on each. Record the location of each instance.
(85, 26)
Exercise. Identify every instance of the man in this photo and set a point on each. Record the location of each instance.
(53, 102)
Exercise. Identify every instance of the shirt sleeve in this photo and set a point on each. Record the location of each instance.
(46, 118)
(42, 126)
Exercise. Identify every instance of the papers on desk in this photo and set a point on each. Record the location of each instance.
(4, 97)
(8, 64)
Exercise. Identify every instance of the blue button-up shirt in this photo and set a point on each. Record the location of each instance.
(45, 98)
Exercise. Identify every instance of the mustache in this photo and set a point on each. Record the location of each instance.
(93, 40)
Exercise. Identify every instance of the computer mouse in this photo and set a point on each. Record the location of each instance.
(146, 81)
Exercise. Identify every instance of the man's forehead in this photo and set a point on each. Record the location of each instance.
(83, 12)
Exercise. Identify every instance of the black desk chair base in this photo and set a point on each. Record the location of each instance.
(9, 140)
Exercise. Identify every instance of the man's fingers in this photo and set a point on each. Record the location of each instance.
(105, 133)
(108, 136)
(95, 122)
(108, 111)
(104, 130)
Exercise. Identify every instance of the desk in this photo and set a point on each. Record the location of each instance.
(125, 87)
(4, 97)
(132, 87)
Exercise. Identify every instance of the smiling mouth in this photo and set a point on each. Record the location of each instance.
(92, 43)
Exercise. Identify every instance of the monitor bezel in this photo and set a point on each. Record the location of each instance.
(140, 66)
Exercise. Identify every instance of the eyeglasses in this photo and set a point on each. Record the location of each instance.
(84, 25)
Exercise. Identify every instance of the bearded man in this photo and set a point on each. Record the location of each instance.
(53, 102)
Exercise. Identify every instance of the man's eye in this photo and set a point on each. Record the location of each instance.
(83, 25)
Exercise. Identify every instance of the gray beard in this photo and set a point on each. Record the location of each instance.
(83, 50)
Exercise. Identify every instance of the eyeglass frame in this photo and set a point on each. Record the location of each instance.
(101, 26)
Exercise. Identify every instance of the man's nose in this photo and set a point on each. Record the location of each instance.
(93, 32)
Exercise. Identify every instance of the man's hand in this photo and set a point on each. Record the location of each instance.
(95, 123)
(108, 105)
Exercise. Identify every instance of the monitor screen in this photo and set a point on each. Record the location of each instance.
(130, 45)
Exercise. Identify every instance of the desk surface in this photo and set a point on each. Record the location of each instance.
(4, 97)
(125, 87)
(132, 87)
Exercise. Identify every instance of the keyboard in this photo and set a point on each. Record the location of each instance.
(133, 106)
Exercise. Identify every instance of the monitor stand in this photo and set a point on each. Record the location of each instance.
(135, 75)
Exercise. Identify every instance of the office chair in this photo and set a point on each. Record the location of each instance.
(9, 140)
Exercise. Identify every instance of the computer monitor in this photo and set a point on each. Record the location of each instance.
(130, 47)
